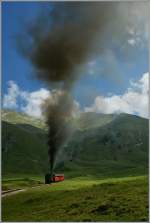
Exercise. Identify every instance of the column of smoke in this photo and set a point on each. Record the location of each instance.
(58, 113)
(59, 42)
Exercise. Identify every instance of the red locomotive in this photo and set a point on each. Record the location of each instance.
(54, 178)
(58, 177)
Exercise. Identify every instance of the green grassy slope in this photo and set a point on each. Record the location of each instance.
(88, 120)
(24, 149)
(105, 166)
(117, 148)
(14, 117)
(115, 145)
(21, 182)
(80, 199)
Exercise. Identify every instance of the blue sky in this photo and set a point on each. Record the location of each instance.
(14, 66)
(102, 76)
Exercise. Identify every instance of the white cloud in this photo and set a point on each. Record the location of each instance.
(132, 42)
(28, 102)
(10, 99)
(33, 102)
(76, 109)
(133, 101)
(137, 26)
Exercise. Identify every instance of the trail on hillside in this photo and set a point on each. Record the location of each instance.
(11, 192)
(16, 191)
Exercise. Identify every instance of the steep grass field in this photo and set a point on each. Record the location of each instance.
(81, 199)
(117, 148)
(14, 117)
(105, 165)
(24, 149)
(104, 145)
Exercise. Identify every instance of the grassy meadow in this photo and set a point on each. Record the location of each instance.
(105, 166)
(81, 199)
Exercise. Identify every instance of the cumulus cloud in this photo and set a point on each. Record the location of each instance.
(34, 101)
(137, 31)
(30, 102)
(133, 101)
(76, 109)
(27, 102)
(132, 42)
(10, 99)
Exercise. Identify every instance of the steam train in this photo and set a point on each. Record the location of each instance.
(54, 178)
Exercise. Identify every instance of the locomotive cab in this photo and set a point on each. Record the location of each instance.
(54, 178)
(58, 177)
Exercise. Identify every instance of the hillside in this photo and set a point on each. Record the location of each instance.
(14, 117)
(117, 148)
(24, 149)
(88, 120)
(106, 145)
(80, 199)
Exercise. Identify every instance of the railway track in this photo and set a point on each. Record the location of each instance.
(10, 192)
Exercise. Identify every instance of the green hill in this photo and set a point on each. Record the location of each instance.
(14, 117)
(104, 145)
(24, 149)
(105, 165)
(88, 120)
(117, 148)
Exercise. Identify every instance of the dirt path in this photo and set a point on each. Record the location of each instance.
(11, 192)
(15, 191)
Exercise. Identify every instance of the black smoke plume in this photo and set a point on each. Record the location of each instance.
(58, 113)
(58, 42)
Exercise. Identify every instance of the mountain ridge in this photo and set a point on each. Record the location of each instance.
(119, 142)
